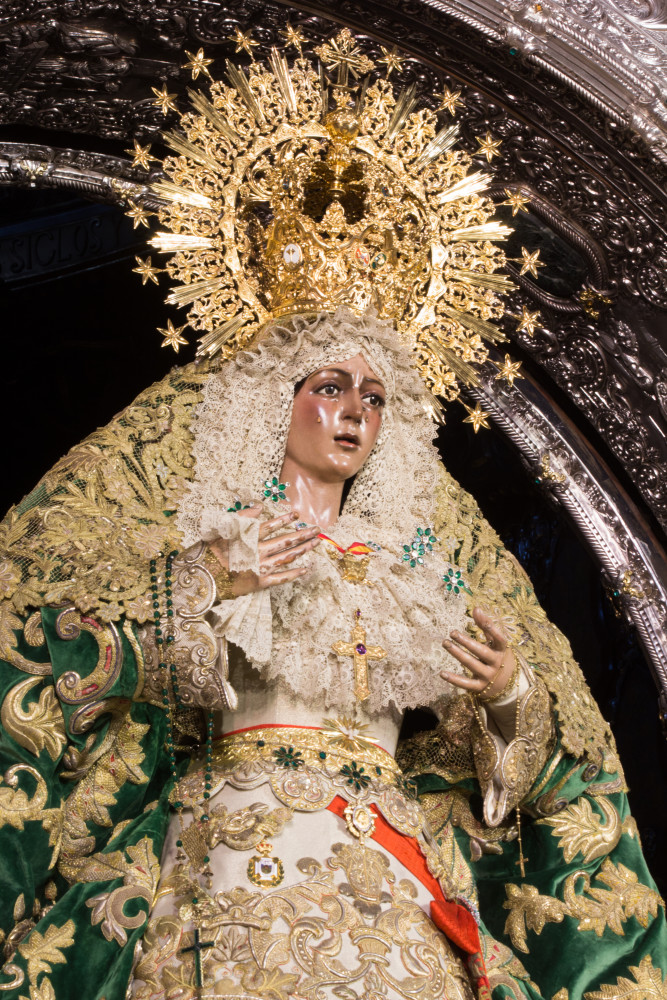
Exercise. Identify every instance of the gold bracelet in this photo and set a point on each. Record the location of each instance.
(505, 688)
(221, 577)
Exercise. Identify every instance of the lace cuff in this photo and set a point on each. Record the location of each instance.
(510, 751)
(247, 622)
(199, 655)
(242, 534)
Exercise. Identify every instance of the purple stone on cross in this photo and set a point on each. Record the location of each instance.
(360, 648)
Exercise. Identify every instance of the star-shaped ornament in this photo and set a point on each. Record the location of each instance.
(488, 146)
(477, 417)
(516, 201)
(293, 36)
(509, 370)
(528, 321)
(141, 156)
(391, 60)
(197, 63)
(172, 336)
(450, 101)
(530, 262)
(146, 270)
(138, 214)
(243, 42)
(164, 100)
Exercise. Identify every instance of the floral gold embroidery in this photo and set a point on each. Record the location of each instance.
(596, 908)
(103, 505)
(530, 911)
(580, 829)
(648, 984)
(17, 806)
(39, 727)
(41, 951)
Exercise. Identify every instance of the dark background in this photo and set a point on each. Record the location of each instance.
(79, 341)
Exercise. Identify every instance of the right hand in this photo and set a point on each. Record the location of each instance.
(276, 549)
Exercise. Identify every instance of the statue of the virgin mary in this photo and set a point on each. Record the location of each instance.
(218, 608)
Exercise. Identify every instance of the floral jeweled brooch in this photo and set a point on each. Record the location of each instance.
(274, 490)
(423, 542)
(454, 582)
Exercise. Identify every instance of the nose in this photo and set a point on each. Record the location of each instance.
(354, 405)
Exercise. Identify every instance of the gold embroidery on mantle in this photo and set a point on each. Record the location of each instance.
(99, 781)
(88, 530)
(646, 984)
(140, 880)
(596, 908)
(39, 727)
(10, 623)
(580, 829)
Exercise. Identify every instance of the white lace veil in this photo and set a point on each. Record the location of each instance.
(241, 431)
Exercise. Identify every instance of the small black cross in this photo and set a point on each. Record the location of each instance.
(198, 947)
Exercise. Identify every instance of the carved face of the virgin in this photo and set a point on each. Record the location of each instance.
(336, 418)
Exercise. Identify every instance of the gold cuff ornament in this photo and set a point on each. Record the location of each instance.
(222, 578)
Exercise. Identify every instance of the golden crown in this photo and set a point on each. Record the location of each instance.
(298, 188)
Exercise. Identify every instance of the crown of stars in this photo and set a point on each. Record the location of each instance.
(488, 146)
(293, 36)
(529, 262)
(243, 42)
(164, 100)
(197, 64)
(172, 336)
(146, 270)
(477, 417)
(391, 59)
(450, 101)
(141, 156)
(138, 214)
(509, 370)
(516, 201)
(528, 321)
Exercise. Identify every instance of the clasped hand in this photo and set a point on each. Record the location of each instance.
(277, 548)
(491, 665)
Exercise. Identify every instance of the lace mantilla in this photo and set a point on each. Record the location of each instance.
(240, 434)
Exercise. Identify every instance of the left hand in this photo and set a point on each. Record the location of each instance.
(491, 665)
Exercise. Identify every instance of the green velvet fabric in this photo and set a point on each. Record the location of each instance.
(84, 812)
(588, 909)
(118, 800)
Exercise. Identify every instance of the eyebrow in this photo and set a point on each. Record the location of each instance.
(341, 371)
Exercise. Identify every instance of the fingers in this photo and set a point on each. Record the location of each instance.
(479, 649)
(490, 628)
(282, 557)
(254, 510)
(284, 576)
(273, 524)
(288, 541)
(465, 683)
(480, 670)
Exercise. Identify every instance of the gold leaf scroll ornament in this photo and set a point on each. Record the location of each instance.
(39, 727)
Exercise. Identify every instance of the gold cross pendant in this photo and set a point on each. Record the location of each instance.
(361, 654)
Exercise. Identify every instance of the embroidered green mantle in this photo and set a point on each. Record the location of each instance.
(84, 778)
